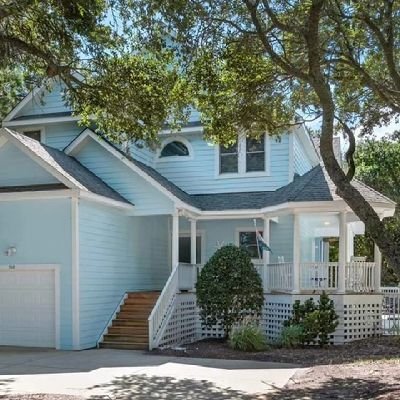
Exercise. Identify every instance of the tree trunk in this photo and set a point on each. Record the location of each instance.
(374, 226)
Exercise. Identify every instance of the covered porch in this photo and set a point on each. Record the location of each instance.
(312, 251)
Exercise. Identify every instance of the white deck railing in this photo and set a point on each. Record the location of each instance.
(162, 308)
(280, 276)
(321, 275)
(360, 276)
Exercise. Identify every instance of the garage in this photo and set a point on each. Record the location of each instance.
(28, 306)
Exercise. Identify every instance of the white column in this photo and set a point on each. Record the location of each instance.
(296, 254)
(266, 253)
(378, 268)
(350, 243)
(342, 252)
(175, 240)
(193, 241)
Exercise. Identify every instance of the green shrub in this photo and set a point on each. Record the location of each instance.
(292, 336)
(248, 337)
(229, 288)
(317, 321)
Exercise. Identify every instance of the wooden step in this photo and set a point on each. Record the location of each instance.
(134, 314)
(128, 330)
(126, 338)
(136, 307)
(131, 322)
(126, 346)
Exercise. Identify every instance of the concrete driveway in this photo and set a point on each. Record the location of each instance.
(121, 374)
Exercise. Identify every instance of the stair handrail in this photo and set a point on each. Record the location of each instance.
(162, 306)
(113, 315)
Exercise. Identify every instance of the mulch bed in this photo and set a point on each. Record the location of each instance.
(372, 349)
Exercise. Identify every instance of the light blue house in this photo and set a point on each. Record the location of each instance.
(91, 234)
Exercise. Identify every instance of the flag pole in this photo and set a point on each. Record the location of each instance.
(258, 246)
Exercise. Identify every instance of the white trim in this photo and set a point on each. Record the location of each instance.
(171, 139)
(201, 233)
(40, 195)
(106, 201)
(75, 274)
(57, 292)
(175, 240)
(242, 153)
(41, 121)
(307, 143)
(87, 133)
(291, 158)
(188, 129)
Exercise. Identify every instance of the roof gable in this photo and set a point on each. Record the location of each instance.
(56, 164)
(43, 102)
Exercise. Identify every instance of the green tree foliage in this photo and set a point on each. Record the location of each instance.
(250, 66)
(42, 39)
(229, 288)
(311, 322)
(378, 164)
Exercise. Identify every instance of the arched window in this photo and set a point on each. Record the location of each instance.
(175, 148)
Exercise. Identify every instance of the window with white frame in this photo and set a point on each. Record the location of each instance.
(174, 148)
(246, 155)
(248, 241)
(229, 159)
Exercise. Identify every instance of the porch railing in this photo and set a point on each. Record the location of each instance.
(359, 276)
(280, 276)
(322, 275)
(162, 308)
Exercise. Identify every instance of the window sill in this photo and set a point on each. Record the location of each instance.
(243, 175)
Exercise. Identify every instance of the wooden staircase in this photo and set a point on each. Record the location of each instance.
(130, 329)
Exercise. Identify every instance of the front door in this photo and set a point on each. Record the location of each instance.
(184, 249)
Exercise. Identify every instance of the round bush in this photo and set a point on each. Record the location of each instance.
(229, 288)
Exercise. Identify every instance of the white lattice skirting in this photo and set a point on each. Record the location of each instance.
(359, 317)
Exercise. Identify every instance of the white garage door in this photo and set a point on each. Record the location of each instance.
(27, 308)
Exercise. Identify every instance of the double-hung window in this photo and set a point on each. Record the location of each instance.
(245, 156)
(229, 159)
(255, 154)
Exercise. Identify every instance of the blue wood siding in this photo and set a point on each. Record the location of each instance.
(117, 254)
(17, 169)
(199, 173)
(222, 232)
(62, 134)
(46, 103)
(302, 162)
(41, 232)
(143, 154)
(147, 199)
(282, 239)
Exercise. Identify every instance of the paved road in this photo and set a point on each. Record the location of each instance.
(121, 374)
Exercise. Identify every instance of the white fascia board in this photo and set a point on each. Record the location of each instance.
(305, 139)
(51, 170)
(89, 196)
(88, 133)
(188, 129)
(40, 121)
(40, 195)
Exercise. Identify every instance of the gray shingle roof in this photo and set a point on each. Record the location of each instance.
(315, 185)
(68, 167)
(40, 116)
